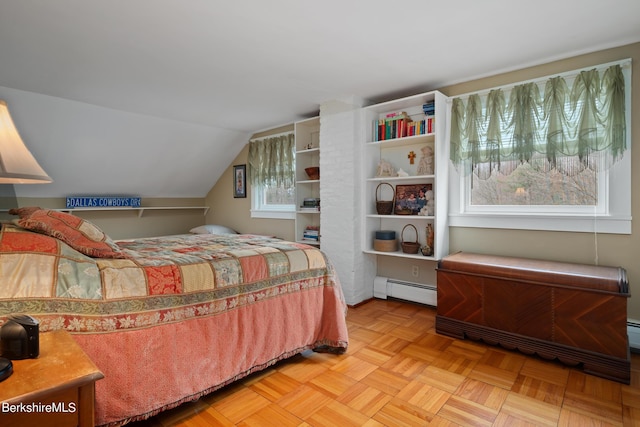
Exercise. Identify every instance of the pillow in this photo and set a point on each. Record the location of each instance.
(24, 212)
(17, 239)
(213, 229)
(81, 235)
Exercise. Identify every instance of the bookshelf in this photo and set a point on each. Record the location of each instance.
(307, 218)
(401, 134)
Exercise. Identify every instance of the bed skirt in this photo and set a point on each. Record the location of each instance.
(158, 368)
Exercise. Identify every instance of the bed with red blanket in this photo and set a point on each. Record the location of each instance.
(169, 319)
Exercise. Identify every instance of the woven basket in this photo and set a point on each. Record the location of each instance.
(410, 247)
(385, 207)
(405, 211)
(385, 245)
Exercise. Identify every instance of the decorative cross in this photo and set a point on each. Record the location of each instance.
(411, 156)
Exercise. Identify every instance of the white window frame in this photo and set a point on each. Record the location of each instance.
(613, 215)
(259, 209)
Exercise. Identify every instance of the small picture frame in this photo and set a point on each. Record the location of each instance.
(410, 199)
(239, 181)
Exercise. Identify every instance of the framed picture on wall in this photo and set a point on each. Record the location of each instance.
(240, 181)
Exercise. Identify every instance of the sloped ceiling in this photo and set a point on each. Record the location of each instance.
(156, 97)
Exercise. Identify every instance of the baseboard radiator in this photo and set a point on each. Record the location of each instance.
(384, 287)
(633, 331)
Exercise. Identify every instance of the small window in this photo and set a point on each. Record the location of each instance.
(272, 169)
(270, 201)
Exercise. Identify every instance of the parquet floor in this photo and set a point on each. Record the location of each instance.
(399, 372)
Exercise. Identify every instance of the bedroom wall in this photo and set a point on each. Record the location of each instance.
(616, 250)
(91, 150)
(570, 247)
(127, 224)
(226, 210)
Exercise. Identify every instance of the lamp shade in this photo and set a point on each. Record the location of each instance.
(17, 164)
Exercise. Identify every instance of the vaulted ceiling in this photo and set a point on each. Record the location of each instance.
(221, 70)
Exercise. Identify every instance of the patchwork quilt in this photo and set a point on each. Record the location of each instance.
(161, 280)
(230, 305)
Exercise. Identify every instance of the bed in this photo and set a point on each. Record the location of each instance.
(169, 319)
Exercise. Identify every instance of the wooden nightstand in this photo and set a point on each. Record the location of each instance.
(58, 388)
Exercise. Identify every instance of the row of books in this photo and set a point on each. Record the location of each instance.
(400, 125)
(311, 233)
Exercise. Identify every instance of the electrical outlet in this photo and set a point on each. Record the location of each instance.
(415, 271)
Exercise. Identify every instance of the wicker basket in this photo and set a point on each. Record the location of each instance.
(410, 247)
(385, 245)
(385, 207)
(404, 211)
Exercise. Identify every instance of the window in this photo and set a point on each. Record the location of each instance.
(531, 187)
(272, 169)
(557, 159)
(269, 201)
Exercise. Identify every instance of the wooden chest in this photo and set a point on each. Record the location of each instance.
(571, 312)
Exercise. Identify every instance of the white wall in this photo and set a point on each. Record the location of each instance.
(340, 192)
(93, 150)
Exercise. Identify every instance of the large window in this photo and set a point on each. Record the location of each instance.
(272, 172)
(529, 187)
(551, 154)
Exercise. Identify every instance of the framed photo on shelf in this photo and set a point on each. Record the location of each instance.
(240, 181)
(412, 198)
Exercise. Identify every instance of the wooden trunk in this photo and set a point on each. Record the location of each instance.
(571, 312)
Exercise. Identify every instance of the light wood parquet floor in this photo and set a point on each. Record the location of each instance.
(399, 372)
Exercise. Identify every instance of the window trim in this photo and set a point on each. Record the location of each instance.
(616, 219)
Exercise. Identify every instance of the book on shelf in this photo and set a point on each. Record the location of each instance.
(311, 238)
(400, 125)
(393, 125)
(311, 233)
(429, 108)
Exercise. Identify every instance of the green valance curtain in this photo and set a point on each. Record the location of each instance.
(272, 161)
(566, 123)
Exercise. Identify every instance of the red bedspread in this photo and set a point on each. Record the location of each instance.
(179, 317)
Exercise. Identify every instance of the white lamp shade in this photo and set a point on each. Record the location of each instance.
(17, 164)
